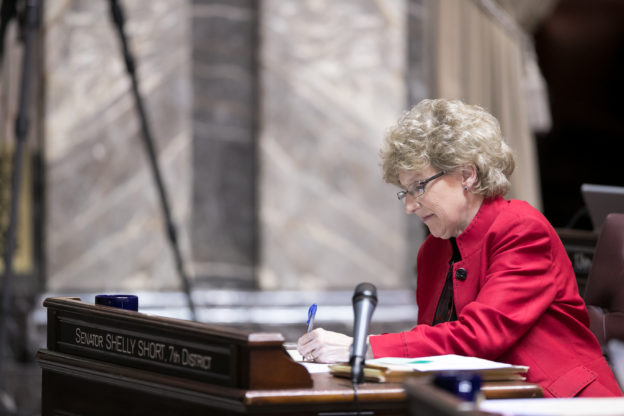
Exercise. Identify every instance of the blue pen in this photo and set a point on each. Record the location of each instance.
(311, 315)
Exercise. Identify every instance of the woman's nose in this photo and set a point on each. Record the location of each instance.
(411, 204)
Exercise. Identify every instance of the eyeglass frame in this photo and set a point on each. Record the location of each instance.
(420, 187)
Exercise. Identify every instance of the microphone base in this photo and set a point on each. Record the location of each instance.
(357, 370)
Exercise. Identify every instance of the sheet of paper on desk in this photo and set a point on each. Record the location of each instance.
(311, 367)
(603, 406)
(315, 367)
(295, 355)
(440, 363)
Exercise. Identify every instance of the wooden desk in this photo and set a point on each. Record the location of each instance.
(86, 387)
(89, 375)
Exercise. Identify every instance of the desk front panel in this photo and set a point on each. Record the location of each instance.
(78, 386)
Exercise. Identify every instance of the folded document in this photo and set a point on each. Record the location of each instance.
(395, 369)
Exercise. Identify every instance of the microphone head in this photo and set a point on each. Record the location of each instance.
(365, 290)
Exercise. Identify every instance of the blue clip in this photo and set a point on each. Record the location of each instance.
(311, 315)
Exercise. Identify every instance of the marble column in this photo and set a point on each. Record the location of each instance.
(224, 227)
(333, 78)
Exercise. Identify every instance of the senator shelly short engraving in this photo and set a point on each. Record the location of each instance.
(141, 348)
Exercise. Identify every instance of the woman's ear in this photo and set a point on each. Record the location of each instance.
(469, 176)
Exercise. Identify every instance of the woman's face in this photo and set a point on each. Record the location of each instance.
(445, 207)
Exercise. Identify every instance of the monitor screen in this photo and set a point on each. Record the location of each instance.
(602, 200)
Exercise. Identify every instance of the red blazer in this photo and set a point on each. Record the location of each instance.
(517, 301)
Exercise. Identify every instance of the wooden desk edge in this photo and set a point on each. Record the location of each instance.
(329, 389)
(511, 390)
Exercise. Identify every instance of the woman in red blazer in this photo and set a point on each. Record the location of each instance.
(494, 280)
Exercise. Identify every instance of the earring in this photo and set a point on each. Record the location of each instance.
(465, 188)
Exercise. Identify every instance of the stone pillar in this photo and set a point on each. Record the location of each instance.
(417, 79)
(333, 79)
(224, 230)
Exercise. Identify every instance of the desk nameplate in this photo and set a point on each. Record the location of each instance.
(171, 347)
(144, 350)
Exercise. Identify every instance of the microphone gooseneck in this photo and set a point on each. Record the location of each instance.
(364, 302)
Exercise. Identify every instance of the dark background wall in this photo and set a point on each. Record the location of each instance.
(581, 53)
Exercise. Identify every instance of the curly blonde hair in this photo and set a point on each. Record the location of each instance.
(446, 135)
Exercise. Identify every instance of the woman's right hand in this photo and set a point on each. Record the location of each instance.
(324, 346)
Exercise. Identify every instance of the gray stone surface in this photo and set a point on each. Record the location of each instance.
(224, 230)
(271, 157)
(104, 224)
(333, 79)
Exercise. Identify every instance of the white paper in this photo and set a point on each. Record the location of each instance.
(295, 355)
(315, 367)
(310, 366)
(448, 362)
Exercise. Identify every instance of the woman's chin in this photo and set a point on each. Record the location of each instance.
(437, 233)
(433, 232)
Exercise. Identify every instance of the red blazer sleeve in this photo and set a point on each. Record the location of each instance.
(510, 283)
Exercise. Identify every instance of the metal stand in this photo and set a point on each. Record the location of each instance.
(170, 229)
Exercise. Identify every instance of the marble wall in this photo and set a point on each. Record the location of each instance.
(332, 80)
(268, 117)
(104, 228)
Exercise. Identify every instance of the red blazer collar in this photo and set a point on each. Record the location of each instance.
(470, 239)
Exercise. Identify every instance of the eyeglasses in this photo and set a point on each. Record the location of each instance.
(416, 189)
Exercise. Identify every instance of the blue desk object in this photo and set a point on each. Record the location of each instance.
(466, 386)
(128, 302)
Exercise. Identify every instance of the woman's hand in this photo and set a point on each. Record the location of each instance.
(324, 346)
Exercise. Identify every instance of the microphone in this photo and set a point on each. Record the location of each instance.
(364, 302)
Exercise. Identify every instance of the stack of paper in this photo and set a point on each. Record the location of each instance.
(395, 369)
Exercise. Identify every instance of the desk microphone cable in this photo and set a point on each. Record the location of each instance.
(356, 399)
